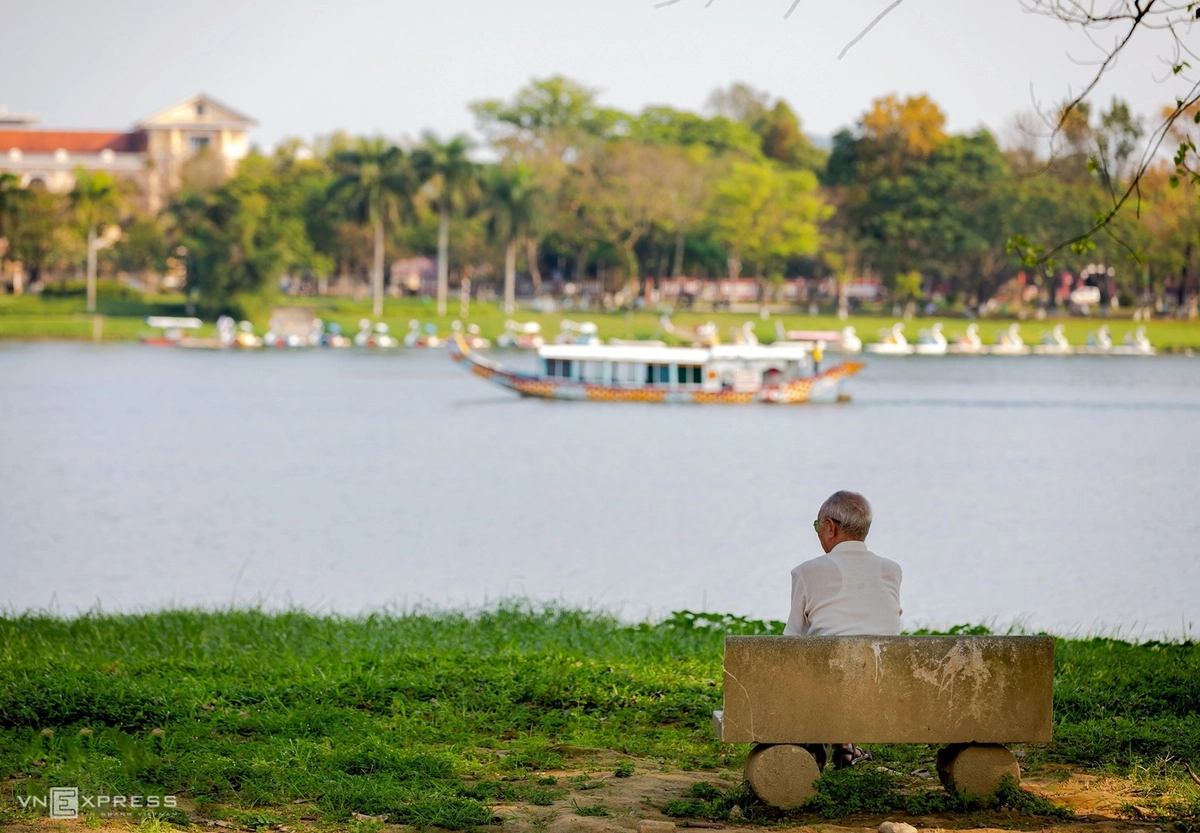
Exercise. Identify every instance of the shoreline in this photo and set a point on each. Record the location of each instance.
(701, 621)
(32, 318)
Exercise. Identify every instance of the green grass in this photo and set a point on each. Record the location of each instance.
(122, 313)
(433, 719)
(34, 317)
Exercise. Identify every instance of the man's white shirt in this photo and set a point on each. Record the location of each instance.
(849, 590)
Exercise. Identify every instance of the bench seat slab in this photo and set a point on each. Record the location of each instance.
(887, 689)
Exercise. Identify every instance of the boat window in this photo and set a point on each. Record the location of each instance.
(591, 371)
(625, 374)
(658, 374)
(558, 368)
(689, 374)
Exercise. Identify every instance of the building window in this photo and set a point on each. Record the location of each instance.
(688, 374)
(201, 109)
(199, 143)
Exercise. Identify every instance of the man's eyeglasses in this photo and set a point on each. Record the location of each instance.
(817, 523)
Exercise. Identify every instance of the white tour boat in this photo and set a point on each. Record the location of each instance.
(733, 373)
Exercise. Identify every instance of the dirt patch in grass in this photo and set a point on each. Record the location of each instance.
(593, 799)
(1096, 800)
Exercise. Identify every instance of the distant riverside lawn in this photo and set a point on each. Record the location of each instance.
(453, 720)
(124, 312)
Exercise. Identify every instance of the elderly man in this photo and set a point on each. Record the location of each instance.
(849, 590)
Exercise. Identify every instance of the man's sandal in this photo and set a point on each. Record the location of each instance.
(847, 755)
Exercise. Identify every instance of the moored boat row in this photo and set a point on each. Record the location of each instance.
(1009, 342)
(931, 341)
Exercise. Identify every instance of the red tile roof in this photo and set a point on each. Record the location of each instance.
(72, 141)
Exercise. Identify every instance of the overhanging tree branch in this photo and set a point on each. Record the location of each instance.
(1174, 17)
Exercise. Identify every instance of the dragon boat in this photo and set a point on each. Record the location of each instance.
(719, 374)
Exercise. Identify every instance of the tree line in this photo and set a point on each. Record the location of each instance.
(626, 199)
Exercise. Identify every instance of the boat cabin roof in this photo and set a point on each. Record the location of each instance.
(673, 355)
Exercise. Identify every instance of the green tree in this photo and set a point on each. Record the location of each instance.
(783, 139)
(14, 208)
(514, 204)
(686, 175)
(95, 201)
(545, 109)
(667, 126)
(239, 239)
(765, 215)
(303, 186)
(740, 102)
(908, 286)
(628, 200)
(1117, 140)
(378, 183)
(915, 199)
(143, 248)
(452, 178)
(41, 224)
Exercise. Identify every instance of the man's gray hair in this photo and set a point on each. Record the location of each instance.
(851, 512)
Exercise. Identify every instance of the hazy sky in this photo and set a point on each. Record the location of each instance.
(397, 67)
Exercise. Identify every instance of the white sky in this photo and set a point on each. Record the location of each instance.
(398, 67)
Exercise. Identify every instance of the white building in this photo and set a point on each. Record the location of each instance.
(153, 153)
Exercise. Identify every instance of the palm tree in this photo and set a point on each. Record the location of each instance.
(452, 177)
(378, 179)
(95, 200)
(514, 205)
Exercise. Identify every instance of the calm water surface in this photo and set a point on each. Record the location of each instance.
(1057, 493)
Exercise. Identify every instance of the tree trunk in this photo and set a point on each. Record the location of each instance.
(633, 268)
(656, 260)
(510, 277)
(581, 264)
(677, 269)
(443, 273)
(377, 270)
(91, 269)
(531, 256)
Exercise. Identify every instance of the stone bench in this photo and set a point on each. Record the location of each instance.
(969, 694)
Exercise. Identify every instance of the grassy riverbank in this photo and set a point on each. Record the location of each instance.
(456, 721)
(122, 319)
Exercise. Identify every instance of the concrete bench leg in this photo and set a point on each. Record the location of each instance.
(976, 769)
(783, 775)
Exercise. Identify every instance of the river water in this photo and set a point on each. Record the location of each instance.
(1049, 493)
